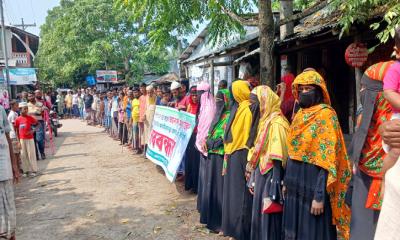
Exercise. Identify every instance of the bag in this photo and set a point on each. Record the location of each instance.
(270, 206)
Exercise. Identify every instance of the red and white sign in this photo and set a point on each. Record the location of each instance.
(356, 55)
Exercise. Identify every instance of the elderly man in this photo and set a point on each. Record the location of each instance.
(36, 108)
(8, 171)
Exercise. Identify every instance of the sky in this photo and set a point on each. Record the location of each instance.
(33, 11)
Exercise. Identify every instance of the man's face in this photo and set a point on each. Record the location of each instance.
(136, 94)
(130, 94)
(143, 90)
(38, 94)
(31, 97)
(25, 95)
(175, 92)
(166, 97)
(183, 89)
(159, 92)
(14, 107)
(24, 111)
(194, 97)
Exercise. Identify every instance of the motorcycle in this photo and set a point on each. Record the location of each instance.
(54, 122)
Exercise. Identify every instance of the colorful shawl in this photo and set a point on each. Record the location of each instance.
(366, 147)
(239, 124)
(217, 129)
(207, 109)
(270, 143)
(315, 138)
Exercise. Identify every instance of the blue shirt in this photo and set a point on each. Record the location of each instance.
(106, 111)
(128, 109)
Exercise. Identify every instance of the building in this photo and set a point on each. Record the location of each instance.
(22, 47)
(315, 43)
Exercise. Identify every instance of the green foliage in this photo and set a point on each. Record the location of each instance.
(82, 36)
(356, 11)
(169, 20)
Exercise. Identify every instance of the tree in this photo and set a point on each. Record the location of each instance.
(355, 11)
(82, 36)
(168, 19)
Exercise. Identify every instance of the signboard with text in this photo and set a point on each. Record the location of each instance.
(169, 138)
(106, 76)
(21, 76)
(356, 55)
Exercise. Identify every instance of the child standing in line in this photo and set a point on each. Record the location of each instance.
(25, 127)
(12, 116)
(391, 87)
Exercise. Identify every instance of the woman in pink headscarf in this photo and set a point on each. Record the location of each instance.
(207, 110)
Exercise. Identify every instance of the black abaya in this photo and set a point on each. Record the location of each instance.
(265, 226)
(304, 183)
(192, 165)
(363, 220)
(202, 194)
(214, 191)
(237, 200)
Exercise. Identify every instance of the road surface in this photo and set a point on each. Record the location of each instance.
(92, 189)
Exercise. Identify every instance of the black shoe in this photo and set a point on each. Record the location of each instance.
(43, 156)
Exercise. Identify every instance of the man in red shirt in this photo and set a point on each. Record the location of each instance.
(25, 128)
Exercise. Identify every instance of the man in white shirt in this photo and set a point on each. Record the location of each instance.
(75, 108)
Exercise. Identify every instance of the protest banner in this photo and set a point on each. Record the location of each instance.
(169, 138)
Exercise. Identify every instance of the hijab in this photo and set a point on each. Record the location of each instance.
(239, 123)
(315, 138)
(207, 109)
(193, 107)
(271, 131)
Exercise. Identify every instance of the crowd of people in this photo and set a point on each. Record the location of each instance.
(264, 164)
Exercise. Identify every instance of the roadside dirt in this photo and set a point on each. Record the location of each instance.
(92, 189)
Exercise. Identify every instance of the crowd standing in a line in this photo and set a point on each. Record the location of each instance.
(265, 164)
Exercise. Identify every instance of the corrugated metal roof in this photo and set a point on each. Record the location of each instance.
(207, 50)
(247, 55)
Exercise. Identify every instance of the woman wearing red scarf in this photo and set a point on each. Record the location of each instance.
(192, 155)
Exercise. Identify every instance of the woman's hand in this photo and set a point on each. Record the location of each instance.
(317, 208)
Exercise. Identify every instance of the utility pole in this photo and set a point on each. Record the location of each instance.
(25, 26)
(4, 44)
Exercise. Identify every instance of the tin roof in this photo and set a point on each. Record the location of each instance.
(194, 52)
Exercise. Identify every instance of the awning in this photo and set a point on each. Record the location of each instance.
(254, 52)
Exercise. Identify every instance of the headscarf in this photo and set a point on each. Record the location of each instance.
(207, 109)
(315, 138)
(366, 147)
(270, 142)
(218, 125)
(239, 123)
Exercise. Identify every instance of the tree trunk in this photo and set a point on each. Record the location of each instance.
(266, 27)
(286, 12)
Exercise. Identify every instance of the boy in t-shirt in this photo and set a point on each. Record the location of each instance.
(391, 87)
(12, 116)
(25, 127)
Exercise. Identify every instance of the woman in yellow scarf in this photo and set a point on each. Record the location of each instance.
(265, 163)
(237, 200)
(318, 169)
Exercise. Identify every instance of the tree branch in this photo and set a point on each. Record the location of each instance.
(234, 16)
(305, 13)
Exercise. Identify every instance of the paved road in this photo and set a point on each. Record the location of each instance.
(92, 189)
